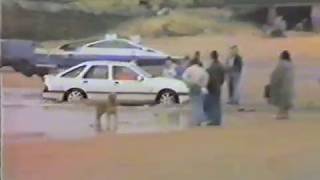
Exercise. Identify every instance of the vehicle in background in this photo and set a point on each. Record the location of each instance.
(30, 58)
(96, 79)
(110, 48)
(19, 54)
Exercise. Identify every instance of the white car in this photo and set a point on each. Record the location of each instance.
(96, 79)
(108, 49)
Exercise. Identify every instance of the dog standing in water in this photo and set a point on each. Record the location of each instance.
(110, 109)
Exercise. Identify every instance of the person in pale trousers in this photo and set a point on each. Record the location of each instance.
(234, 67)
(196, 77)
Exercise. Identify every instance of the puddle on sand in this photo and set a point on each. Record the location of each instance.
(67, 122)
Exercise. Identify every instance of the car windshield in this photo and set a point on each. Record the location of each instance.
(141, 71)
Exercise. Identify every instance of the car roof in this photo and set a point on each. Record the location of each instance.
(106, 62)
(110, 40)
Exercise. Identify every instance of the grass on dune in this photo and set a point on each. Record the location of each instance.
(185, 23)
(124, 5)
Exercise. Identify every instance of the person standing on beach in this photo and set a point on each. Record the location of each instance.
(212, 101)
(196, 78)
(169, 70)
(196, 59)
(282, 86)
(234, 66)
(180, 68)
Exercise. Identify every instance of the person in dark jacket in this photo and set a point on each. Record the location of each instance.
(282, 86)
(212, 103)
(234, 68)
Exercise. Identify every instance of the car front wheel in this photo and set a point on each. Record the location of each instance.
(75, 95)
(167, 97)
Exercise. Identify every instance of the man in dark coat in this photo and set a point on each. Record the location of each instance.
(234, 68)
(212, 104)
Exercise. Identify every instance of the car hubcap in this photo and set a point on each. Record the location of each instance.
(167, 98)
(75, 96)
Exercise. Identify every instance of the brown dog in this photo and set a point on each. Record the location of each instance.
(110, 109)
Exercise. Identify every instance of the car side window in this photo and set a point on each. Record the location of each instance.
(97, 72)
(113, 44)
(124, 73)
(73, 73)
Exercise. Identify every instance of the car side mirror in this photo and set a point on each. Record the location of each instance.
(140, 78)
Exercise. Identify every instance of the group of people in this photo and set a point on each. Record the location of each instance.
(205, 84)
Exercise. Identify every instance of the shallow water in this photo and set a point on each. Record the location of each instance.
(27, 117)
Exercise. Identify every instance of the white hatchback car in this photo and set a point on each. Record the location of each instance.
(96, 79)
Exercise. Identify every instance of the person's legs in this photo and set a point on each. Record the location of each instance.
(197, 106)
(206, 105)
(230, 88)
(208, 108)
(115, 122)
(286, 113)
(98, 120)
(217, 110)
(194, 105)
(108, 121)
(215, 114)
(236, 89)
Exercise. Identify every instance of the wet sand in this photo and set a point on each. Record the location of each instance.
(284, 150)
(249, 146)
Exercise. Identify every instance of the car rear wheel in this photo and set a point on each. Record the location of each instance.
(75, 95)
(167, 97)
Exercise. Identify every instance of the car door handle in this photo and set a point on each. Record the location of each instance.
(116, 82)
(85, 82)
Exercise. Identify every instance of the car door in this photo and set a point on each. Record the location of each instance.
(109, 49)
(97, 83)
(72, 78)
(130, 85)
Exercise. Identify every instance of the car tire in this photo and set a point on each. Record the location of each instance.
(74, 95)
(167, 97)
